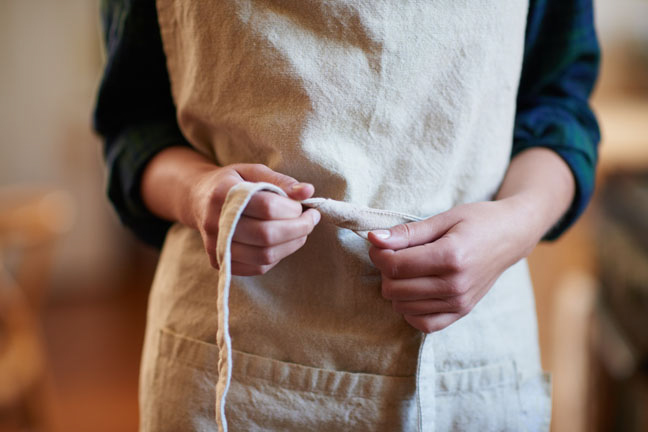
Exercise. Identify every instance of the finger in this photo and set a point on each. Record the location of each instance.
(301, 191)
(261, 173)
(437, 258)
(258, 232)
(413, 233)
(258, 255)
(269, 205)
(243, 269)
(423, 307)
(422, 288)
(431, 323)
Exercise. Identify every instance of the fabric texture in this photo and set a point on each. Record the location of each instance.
(359, 219)
(135, 115)
(346, 96)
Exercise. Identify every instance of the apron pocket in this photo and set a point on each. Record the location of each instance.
(271, 395)
(178, 387)
(268, 394)
(535, 397)
(483, 398)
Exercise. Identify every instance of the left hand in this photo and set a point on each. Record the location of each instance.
(436, 270)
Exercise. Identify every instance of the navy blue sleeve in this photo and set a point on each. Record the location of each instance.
(134, 111)
(561, 62)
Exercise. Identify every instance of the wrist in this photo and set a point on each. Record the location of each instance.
(528, 216)
(539, 187)
(169, 182)
(194, 191)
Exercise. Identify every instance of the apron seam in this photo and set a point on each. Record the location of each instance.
(323, 393)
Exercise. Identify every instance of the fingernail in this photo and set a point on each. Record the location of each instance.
(316, 217)
(298, 186)
(382, 234)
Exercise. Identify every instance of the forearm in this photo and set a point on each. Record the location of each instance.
(167, 182)
(540, 187)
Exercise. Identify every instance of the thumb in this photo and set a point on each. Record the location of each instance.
(412, 234)
(261, 173)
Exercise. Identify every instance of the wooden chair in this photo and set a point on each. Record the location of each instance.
(31, 220)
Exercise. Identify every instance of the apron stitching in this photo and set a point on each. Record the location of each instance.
(316, 369)
(476, 389)
(243, 378)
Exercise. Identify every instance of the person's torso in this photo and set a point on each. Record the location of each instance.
(399, 105)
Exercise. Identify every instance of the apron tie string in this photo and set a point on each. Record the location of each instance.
(359, 219)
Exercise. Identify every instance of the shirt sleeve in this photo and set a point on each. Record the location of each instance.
(134, 111)
(560, 66)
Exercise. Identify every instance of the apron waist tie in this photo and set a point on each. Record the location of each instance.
(359, 219)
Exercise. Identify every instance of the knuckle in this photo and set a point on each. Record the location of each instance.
(455, 259)
(268, 256)
(388, 290)
(410, 231)
(298, 244)
(400, 307)
(393, 269)
(374, 256)
(266, 205)
(428, 326)
(404, 230)
(261, 270)
(286, 182)
(380, 259)
(306, 225)
(456, 288)
(389, 265)
(254, 270)
(266, 236)
(385, 261)
(464, 311)
(461, 304)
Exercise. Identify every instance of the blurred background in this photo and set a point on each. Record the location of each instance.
(74, 284)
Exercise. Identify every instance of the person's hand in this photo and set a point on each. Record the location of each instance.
(271, 227)
(435, 271)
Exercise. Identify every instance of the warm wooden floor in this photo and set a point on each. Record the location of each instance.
(94, 351)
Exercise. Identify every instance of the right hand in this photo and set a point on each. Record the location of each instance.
(271, 227)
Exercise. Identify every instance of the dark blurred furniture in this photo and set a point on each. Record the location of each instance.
(619, 337)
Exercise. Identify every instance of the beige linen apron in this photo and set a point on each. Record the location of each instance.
(403, 106)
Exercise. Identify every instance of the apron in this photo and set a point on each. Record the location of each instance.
(402, 106)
